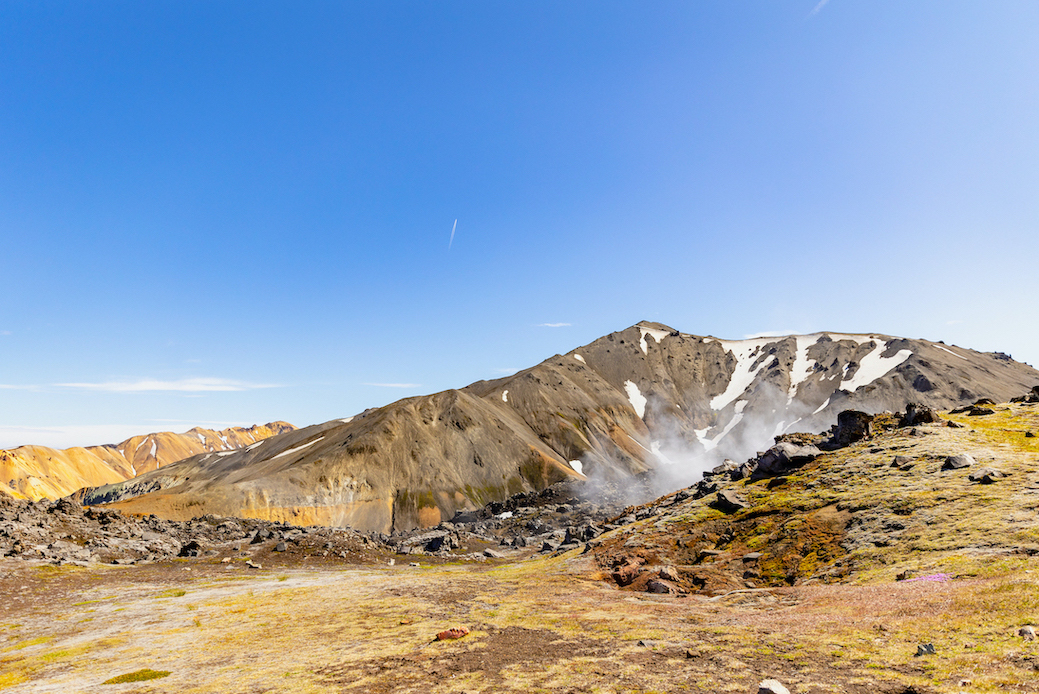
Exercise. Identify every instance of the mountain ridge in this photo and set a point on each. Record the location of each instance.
(641, 398)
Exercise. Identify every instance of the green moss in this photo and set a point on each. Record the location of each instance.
(138, 676)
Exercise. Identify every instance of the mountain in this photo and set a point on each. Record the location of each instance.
(642, 398)
(38, 472)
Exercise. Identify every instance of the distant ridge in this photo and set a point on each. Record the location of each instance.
(38, 472)
(648, 396)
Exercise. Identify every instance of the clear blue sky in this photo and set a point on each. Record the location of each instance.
(233, 212)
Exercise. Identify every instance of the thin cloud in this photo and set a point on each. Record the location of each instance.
(8, 386)
(553, 325)
(452, 235)
(5, 332)
(184, 385)
(508, 371)
(62, 436)
(395, 385)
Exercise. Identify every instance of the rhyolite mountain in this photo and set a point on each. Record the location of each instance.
(39, 472)
(645, 397)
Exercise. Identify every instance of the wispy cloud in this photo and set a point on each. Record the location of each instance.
(553, 325)
(395, 385)
(184, 385)
(5, 332)
(8, 386)
(818, 7)
(507, 371)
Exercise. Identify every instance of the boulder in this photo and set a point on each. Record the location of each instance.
(980, 411)
(784, 457)
(958, 462)
(728, 501)
(851, 426)
(918, 414)
(1027, 632)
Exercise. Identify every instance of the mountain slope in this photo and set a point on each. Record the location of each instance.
(38, 472)
(644, 397)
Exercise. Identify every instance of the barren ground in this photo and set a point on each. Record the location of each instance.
(540, 625)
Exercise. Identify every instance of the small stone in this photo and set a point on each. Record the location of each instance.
(692, 653)
(1027, 633)
(669, 573)
(1029, 434)
(660, 587)
(957, 462)
(772, 687)
(965, 683)
(449, 634)
(986, 475)
(280, 547)
(925, 649)
(492, 554)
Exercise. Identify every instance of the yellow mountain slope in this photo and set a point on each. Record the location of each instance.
(38, 472)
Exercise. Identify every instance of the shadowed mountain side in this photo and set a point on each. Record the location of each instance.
(39, 472)
(632, 400)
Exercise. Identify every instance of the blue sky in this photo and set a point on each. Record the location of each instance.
(221, 213)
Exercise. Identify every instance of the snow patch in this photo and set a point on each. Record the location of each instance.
(155, 447)
(657, 335)
(578, 466)
(636, 398)
(579, 358)
(504, 515)
(201, 437)
(740, 406)
(254, 445)
(224, 439)
(709, 444)
(945, 349)
(347, 420)
(745, 351)
(802, 366)
(505, 395)
(821, 407)
(873, 366)
(221, 454)
(298, 448)
(144, 441)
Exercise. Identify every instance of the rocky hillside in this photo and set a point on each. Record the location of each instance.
(643, 398)
(38, 472)
(890, 497)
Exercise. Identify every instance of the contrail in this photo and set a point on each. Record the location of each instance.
(818, 7)
(452, 235)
